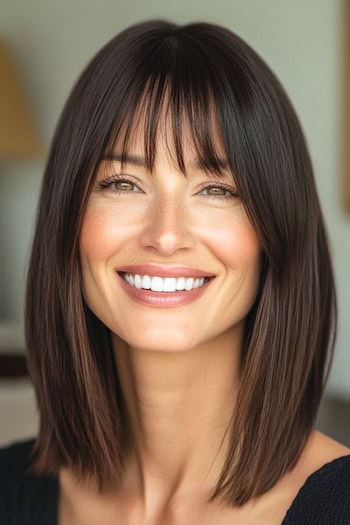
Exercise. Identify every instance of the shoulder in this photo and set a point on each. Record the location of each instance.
(14, 459)
(325, 495)
(24, 496)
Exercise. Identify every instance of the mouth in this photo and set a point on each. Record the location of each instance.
(157, 292)
(157, 284)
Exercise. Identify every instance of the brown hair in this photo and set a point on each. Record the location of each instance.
(291, 328)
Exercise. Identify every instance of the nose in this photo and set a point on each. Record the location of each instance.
(167, 227)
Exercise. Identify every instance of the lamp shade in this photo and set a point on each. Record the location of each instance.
(18, 136)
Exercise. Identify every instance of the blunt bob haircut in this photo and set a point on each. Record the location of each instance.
(198, 72)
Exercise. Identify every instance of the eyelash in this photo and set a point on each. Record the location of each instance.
(106, 183)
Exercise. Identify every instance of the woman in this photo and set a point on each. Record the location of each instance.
(180, 308)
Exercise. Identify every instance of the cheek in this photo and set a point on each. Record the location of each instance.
(239, 249)
(95, 247)
(237, 244)
(98, 234)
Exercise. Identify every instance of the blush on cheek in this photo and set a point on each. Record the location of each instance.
(95, 235)
(89, 233)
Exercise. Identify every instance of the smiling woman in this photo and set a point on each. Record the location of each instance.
(180, 308)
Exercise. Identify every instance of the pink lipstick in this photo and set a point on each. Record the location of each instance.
(163, 299)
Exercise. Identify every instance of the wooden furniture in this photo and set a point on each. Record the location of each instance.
(13, 365)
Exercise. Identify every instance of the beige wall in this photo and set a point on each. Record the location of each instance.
(53, 40)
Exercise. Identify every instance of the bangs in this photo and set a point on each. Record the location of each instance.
(178, 105)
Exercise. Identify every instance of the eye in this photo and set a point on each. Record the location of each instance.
(222, 188)
(123, 184)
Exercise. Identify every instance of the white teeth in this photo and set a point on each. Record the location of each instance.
(180, 283)
(138, 281)
(189, 284)
(146, 282)
(166, 284)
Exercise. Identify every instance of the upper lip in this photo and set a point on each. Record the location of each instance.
(165, 271)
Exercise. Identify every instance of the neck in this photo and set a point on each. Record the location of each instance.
(179, 406)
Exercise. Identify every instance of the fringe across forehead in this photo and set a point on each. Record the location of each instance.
(185, 119)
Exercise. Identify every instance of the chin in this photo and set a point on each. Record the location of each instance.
(167, 344)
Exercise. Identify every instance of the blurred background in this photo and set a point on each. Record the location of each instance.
(45, 45)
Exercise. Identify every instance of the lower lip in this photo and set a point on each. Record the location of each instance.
(163, 299)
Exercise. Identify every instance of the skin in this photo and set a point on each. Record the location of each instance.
(179, 375)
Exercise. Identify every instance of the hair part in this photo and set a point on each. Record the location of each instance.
(207, 80)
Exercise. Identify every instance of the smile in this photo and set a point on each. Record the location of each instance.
(162, 292)
(163, 284)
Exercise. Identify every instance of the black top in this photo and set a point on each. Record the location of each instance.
(324, 499)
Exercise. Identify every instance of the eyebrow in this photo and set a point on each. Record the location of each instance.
(137, 160)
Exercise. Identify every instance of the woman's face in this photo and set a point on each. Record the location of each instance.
(167, 219)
